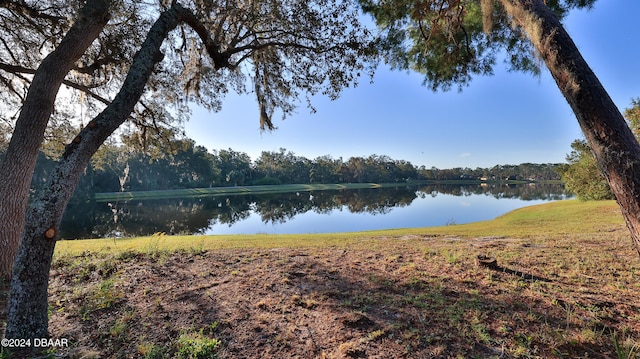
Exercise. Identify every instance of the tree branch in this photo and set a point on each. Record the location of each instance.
(87, 90)
(8, 49)
(220, 60)
(24, 70)
(97, 64)
(28, 12)
(8, 84)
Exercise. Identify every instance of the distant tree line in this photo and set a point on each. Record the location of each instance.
(521, 172)
(124, 167)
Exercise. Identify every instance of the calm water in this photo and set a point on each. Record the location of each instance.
(306, 212)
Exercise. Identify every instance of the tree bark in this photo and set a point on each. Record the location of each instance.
(615, 147)
(20, 158)
(27, 311)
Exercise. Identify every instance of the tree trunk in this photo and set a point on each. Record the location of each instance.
(19, 162)
(27, 311)
(612, 142)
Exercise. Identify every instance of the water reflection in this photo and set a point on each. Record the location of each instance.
(298, 212)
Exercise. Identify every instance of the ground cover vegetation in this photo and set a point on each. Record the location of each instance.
(564, 287)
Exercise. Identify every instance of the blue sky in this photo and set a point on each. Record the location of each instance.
(508, 118)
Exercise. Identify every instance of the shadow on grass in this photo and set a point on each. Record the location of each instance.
(492, 263)
(330, 303)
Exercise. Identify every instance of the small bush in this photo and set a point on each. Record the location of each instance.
(265, 181)
(197, 346)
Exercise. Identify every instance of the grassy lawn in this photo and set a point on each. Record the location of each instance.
(565, 285)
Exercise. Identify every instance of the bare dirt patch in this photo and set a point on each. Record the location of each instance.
(385, 298)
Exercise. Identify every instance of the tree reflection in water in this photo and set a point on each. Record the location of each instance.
(196, 215)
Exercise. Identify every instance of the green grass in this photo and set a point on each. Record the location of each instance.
(558, 219)
(550, 219)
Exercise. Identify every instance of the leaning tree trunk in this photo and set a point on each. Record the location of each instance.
(27, 311)
(612, 142)
(19, 162)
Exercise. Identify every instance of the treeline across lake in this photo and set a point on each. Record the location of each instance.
(119, 168)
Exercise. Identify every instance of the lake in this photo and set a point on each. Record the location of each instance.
(306, 212)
